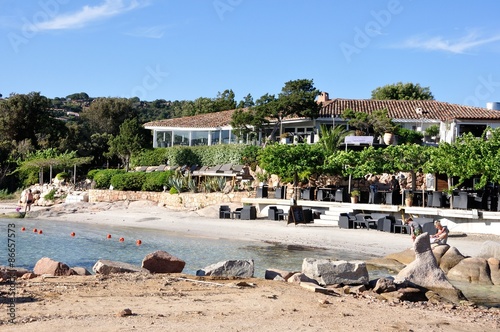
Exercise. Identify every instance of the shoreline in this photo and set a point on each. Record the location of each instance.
(162, 301)
(205, 223)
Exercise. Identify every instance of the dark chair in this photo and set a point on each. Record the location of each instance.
(365, 220)
(437, 199)
(427, 225)
(224, 212)
(249, 212)
(308, 193)
(262, 192)
(393, 198)
(273, 213)
(401, 228)
(236, 214)
(308, 215)
(462, 201)
(280, 192)
(340, 195)
(345, 221)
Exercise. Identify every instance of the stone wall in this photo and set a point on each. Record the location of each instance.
(182, 201)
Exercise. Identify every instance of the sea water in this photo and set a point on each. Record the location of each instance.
(90, 244)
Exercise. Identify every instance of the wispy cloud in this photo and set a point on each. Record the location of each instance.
(88, 14)
(459, 46)
(155, 32)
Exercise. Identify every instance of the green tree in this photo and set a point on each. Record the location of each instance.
(28, 116)
(130, 140)
(105, 115)
(402, 91)
(246, 102)
(295, 162)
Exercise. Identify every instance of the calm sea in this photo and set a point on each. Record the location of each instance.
(90, 244)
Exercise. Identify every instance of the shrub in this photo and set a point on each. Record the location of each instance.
(62, 176)
(128, 181)
(173, 191)
(92, 173)
(50, 196)
(155, 181)
(103, 177)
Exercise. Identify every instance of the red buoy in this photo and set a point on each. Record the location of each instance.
(72, 234)
(108, 236)
(138, 242)
(122, 239)
(23, 229)
(35, 230)
(40, 232)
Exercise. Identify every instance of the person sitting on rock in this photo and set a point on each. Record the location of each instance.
(441, 237)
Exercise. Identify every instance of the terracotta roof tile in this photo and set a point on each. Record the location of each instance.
(397, 109)
(405, 109)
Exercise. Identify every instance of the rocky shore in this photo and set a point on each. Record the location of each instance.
(291, 301)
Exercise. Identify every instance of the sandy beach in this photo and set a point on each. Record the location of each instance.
(159, 302)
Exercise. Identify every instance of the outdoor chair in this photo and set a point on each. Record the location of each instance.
(224, 212)
(248, 212)
(236, 214)
(346, 221)
(273, 213)
(437, 199)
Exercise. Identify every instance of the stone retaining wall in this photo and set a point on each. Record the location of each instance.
(182, 201)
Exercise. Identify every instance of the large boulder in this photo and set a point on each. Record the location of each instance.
(104, 266)
(490, 249)
(230, 268)
(471, 269)
(451, 258)
(162, 262)
(404, 257)
(494, 265)
(424, 271)
(439, 251)
(6, 272)
(48, 266)
(388, 263)
(329, 272)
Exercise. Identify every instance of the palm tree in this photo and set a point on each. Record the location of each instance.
(331, 139)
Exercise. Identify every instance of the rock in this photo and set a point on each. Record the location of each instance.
(28, 276)
(328, 272)
(411, 294)
(271, 274)
(124, 313)
(231, 268)
(5, 271)
(301, 277)
(48, 266)
(404, 257)
(439, 251)
(490, 249)
(385, 285)
(388, 263)
(494, 265)
(162, 262)
(473, 270)
(104, 266)
(81, 271)
(451, 258)
(425, 272)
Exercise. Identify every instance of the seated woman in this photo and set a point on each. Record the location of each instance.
(441, 237)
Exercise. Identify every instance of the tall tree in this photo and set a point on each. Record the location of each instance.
(28, 116)
(402, 91)
(105, 115)
(130, 140)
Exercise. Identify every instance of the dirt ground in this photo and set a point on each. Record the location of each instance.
(178, 302)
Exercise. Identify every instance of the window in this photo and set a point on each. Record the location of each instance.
(181, 137)
(199, 138)
(163, 139)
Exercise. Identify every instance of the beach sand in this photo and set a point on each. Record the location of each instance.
(180, 302)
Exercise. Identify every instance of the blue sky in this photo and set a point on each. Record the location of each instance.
(182, 50)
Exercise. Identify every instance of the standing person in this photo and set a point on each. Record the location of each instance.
(441, 237)
(415, 228)
(29, 200)
(394, 184)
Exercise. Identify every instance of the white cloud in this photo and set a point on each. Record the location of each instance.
(155, 32)
(88, 14)
(459, 46)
